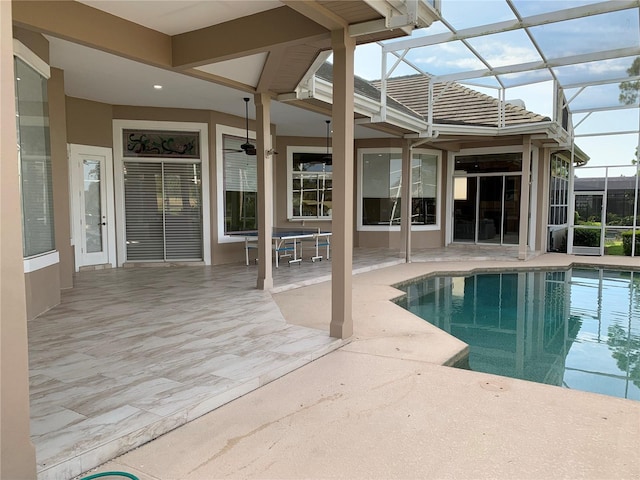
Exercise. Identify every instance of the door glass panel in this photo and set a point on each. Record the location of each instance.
(464, 205)
(490, 210)
(92, 206)
(511, 227)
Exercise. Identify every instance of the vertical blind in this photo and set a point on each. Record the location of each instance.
(163, 211)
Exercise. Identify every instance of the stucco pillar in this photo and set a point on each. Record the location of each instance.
(342, 207)
(525, 188)
(265, 190)
(60, 176)
(405, 219)
(18, 458)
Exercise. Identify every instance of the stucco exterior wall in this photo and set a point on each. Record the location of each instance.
(17, 455)
(42, 290)
(89, 123)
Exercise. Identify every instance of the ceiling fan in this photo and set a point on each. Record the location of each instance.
(246, 147)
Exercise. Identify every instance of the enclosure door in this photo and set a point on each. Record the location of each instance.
(588, 238)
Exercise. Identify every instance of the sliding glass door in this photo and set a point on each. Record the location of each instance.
(487, 209)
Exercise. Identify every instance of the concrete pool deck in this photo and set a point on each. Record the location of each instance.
(384, 406)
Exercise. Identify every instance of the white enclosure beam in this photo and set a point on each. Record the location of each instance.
(531, 66)
(509, 25)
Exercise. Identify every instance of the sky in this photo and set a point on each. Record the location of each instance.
(583, 36)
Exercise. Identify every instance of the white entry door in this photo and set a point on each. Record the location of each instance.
(91, 172)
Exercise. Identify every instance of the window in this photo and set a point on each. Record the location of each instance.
(559, 191)
(381, 189)
(424, 190)
(311, 185)
(489, 163)
(240, 180)
(35, 160)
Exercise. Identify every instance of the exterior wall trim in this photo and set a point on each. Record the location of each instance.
(39, 262)
(21, 51)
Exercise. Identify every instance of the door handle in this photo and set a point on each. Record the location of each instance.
(103, 223)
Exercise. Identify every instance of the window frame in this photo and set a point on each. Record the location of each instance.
(396, 228)
(118, 164)
(291, 150)
(51, 257)
(221, 131)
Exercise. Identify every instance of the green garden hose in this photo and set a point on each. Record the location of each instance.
(111, 474)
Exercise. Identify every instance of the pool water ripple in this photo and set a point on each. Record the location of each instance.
(576, 329)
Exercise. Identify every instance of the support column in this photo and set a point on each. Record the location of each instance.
(405, 219)
(525, 199)
(342, 216)
(18, 456)
(265, 190)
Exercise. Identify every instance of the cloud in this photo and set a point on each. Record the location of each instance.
(454, 56)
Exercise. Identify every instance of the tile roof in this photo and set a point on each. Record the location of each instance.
(365, 88)
(454, 104)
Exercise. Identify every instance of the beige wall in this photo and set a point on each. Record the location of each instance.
(17, 454)
(89, 123)
(42, 290)
(37, 43)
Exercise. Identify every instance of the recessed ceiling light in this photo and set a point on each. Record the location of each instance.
(158, 87)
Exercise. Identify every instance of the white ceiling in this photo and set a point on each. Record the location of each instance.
(245, 70)
(95, 75)
(173, 17)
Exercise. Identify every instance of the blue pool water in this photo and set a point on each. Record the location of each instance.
(577, 329)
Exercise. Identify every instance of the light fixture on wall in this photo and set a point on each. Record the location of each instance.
(459, 188)
(328, 157)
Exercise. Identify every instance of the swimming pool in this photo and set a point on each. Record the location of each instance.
(578, 328)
